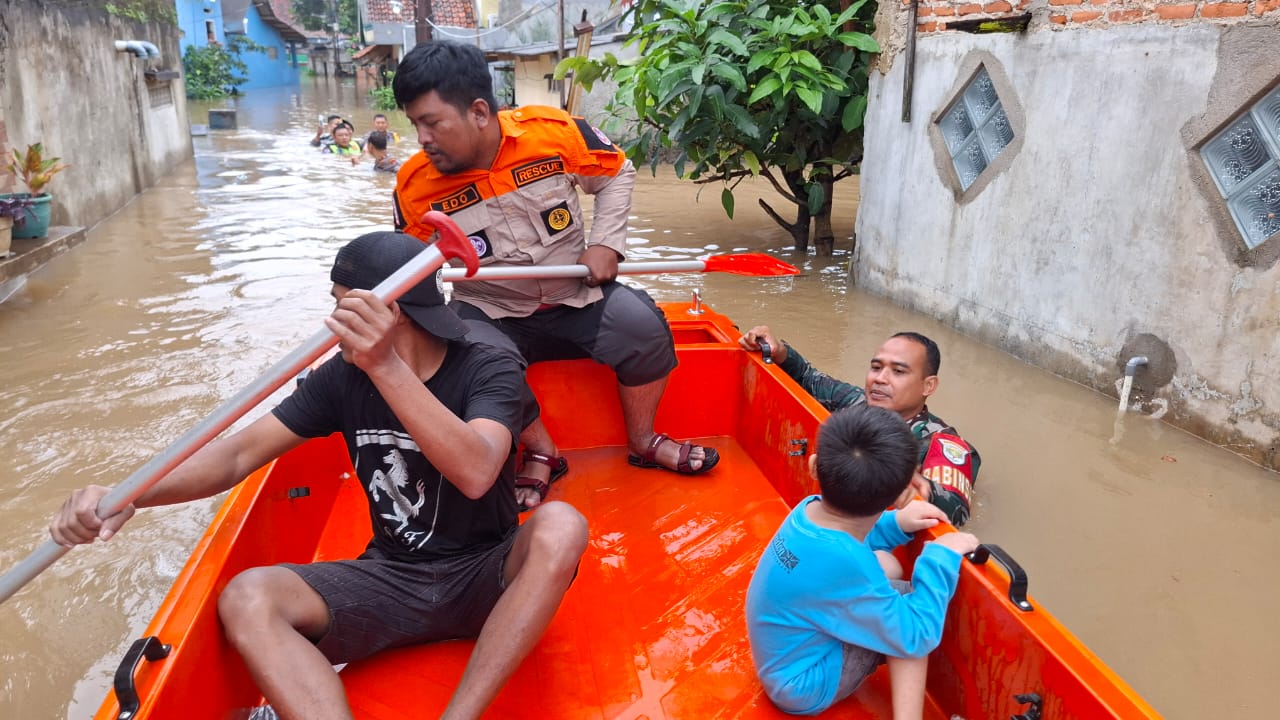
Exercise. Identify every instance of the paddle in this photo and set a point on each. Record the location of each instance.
(453, 244)
(748, 264)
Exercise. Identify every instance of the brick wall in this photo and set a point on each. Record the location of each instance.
(935, 15)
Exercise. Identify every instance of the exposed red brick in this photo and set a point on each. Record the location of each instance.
(1064, 2)
(924, 11)
(1262, 7)
(1084, 16)
(929, 27)
(999, 6)
(1224, 10)
(1058, 19)
(947, 10)
(1178, 12)
(1124, 16)
(970, 9)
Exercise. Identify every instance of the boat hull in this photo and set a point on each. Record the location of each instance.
(653, 625)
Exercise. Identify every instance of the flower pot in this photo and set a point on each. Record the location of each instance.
(6, 236)
(37, 223)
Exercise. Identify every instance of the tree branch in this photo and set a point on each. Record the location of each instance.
(784, 192)
(789, 227)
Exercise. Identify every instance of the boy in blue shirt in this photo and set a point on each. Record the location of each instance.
(827, 603)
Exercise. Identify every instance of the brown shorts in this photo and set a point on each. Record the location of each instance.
(376, 603)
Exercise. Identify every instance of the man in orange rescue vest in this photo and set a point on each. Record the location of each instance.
(510, 180)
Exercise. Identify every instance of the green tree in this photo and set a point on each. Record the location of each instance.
(319, 14)
(213, 71)
(739, 88)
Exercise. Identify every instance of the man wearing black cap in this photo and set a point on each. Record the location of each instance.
(430, 422)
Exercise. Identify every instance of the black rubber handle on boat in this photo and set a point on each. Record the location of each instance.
(149, 648)
(1017, 576)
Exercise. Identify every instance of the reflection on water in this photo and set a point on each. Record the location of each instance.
(1156, 551)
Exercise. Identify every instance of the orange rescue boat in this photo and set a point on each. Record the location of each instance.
(653, 627)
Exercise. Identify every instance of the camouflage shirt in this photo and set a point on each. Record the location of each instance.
(835, 395)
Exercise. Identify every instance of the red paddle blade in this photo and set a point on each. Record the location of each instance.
(750, 264)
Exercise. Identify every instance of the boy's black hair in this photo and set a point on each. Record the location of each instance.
(866, 457)
(379, 115)
(347, 125)
(331, 118)
(456, 71)
(378, 140)
(933, 356)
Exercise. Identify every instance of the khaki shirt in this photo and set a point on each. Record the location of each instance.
(524, 210)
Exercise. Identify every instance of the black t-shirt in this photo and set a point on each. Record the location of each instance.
(417, 514)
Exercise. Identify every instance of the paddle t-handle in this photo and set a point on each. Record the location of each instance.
(452, 244)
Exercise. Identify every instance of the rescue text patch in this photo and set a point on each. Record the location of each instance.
(538, 169)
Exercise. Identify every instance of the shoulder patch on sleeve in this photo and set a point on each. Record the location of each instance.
(595, 139)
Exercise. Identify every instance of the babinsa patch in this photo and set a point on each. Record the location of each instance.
(538, 169)
(464, 198)
(557, 218)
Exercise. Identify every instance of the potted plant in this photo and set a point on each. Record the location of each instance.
(14, 210)
(35, 172)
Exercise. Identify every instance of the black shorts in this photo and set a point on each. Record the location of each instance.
(376, 603)
(624, 330)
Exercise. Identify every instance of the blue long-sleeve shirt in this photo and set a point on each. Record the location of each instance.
(816, 589)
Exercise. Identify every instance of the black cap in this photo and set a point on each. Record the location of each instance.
(369, 259)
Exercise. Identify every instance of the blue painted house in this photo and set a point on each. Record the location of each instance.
(265, 22)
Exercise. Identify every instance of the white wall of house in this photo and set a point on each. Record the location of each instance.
(1097, 233)
(64, 84)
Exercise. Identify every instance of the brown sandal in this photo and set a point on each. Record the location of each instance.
(649, 460)
(559, 466)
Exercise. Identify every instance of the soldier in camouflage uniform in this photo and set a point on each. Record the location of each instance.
(902, 375)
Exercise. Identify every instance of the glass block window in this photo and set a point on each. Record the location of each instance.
(975, 128)
(1244, 160)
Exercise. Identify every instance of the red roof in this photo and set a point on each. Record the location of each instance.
(454, 13)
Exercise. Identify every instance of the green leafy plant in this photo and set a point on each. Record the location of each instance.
(33, 169)
(383, 97)
(318, 15)
(213, 71)
(742, 88)
(144, 10)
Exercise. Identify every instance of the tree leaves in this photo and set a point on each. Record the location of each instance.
(744, 86)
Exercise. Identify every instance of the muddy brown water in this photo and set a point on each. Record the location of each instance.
(1157, 551)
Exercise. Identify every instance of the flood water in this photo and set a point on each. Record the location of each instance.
(1157, 551)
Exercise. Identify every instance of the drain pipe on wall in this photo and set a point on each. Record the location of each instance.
(1131, 367)
(909, 73)
(140, 48)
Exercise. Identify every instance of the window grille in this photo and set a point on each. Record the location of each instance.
(1244, 160)
(975, 128)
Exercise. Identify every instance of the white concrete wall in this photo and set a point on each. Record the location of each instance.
(1098, 228)
(63, 83)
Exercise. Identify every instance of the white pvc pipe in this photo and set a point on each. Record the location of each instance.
(542, 272)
